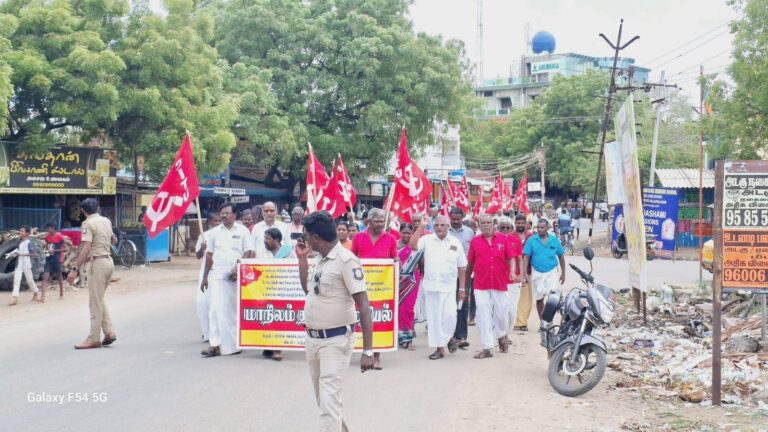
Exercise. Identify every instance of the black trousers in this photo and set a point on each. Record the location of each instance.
(466, 313)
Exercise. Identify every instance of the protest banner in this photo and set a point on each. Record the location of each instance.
(271, 304)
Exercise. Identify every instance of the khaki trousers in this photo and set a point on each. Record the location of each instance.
(328, 359)
(99, 275)
(524, 305)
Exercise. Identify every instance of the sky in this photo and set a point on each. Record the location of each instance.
(675, 35)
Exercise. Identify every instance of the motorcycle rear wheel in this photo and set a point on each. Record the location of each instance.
(616, 253)
(592, 361)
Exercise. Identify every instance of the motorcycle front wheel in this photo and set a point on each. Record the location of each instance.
(616, 253)
(575, 380)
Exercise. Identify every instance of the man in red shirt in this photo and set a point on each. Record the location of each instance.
(374, 242)
(492, 253)
(54, 256)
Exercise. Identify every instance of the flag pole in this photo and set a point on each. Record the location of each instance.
(310, 192)
(197, 198)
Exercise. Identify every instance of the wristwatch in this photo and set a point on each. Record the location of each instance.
(368, 353)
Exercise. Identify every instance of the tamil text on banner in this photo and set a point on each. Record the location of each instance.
(745, 224)
(271, 304)
(61, 170)
(613, 174)
(660, 215)
(634, 227)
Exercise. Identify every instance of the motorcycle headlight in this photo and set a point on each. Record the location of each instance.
(606, 310)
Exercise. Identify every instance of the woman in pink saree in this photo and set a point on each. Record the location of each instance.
(410, 280)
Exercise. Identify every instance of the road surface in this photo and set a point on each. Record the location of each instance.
(154, 379)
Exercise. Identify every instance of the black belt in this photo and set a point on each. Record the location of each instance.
(329, 333)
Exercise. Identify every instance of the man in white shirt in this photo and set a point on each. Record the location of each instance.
(204, 297)
(297, 227)
(227, 243)
(444, 263)
(23, 267)
(269, 212)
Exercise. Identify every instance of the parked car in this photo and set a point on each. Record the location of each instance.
(708, 255)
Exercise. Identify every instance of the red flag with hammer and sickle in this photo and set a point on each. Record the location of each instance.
(411, 185)
(175, 194)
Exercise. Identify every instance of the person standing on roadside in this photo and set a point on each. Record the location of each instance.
(375, 243)
(54, 256)
(296, 227)
(444, 269)
(246, 217)
(95, 252)
(543, 251)
(204, 297)
(269, 211)
(334, 287)
(492, 255)
(466, 316)
(227, 244)
(24, 267)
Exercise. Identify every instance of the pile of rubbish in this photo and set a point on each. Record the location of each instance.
(671, 356)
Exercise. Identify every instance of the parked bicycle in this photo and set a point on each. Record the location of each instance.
(125, 250)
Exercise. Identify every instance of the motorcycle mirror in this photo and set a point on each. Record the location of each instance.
(589, 253)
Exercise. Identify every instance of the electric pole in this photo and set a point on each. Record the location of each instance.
(606, 118)
(480, 42)
(656, 132)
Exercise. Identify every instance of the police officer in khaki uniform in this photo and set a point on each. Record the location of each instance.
(96, 254)
(334, 287)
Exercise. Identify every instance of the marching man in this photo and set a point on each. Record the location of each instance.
(228, 243)
(204, 297)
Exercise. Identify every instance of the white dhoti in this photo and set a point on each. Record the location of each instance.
(492, 316)
(441, 317)
(513, 295)
(543, 283)
(419, 309)
(223, 315)
(203, 305)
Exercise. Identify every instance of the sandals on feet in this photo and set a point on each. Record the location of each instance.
(437, 355)
(483, 354)
(277, 356)
(463, 344)
(210, 352)
(504, 345)
(452, 347)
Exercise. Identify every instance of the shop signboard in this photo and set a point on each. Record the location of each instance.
(745, 225)
(660, 216)
(60, 170)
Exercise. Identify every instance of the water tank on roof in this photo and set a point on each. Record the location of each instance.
(543, 41)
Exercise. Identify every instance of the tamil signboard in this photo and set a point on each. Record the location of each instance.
(634, 226)
(745, 224)
(660, 216)
(271, 304)
(61, 170)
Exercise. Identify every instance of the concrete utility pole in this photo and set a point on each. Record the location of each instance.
(606, 118)
(701, 170)
(656, 122)
(480, 42)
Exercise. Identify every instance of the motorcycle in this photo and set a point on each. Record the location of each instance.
(619, 246)
(577, 357)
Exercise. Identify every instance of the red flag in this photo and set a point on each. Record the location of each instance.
(445, 206)
(346, 191)
(411, 186)
(465, 190)
(460, 198)
(317, 181)
(507, 197)
(497, 198)
(478, 209)
(331, 196)
(175, 194)
(521, 196)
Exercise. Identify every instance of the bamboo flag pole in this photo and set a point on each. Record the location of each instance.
(197, 198)
(311, 191)
(346, 197)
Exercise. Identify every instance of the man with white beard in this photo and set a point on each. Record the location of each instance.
(228, 243)
(204, 297)
(444, 263)
(269, 212)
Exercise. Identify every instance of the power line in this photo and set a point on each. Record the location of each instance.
(650, 62)
(692, 49)
(702, 62)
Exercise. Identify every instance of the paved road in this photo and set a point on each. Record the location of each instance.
(153, 378)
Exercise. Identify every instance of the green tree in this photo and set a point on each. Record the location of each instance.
(346, 74)
(173, 82)
(64, 74)
(8, 24)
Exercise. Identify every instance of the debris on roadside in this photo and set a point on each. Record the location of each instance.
(671, 357)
